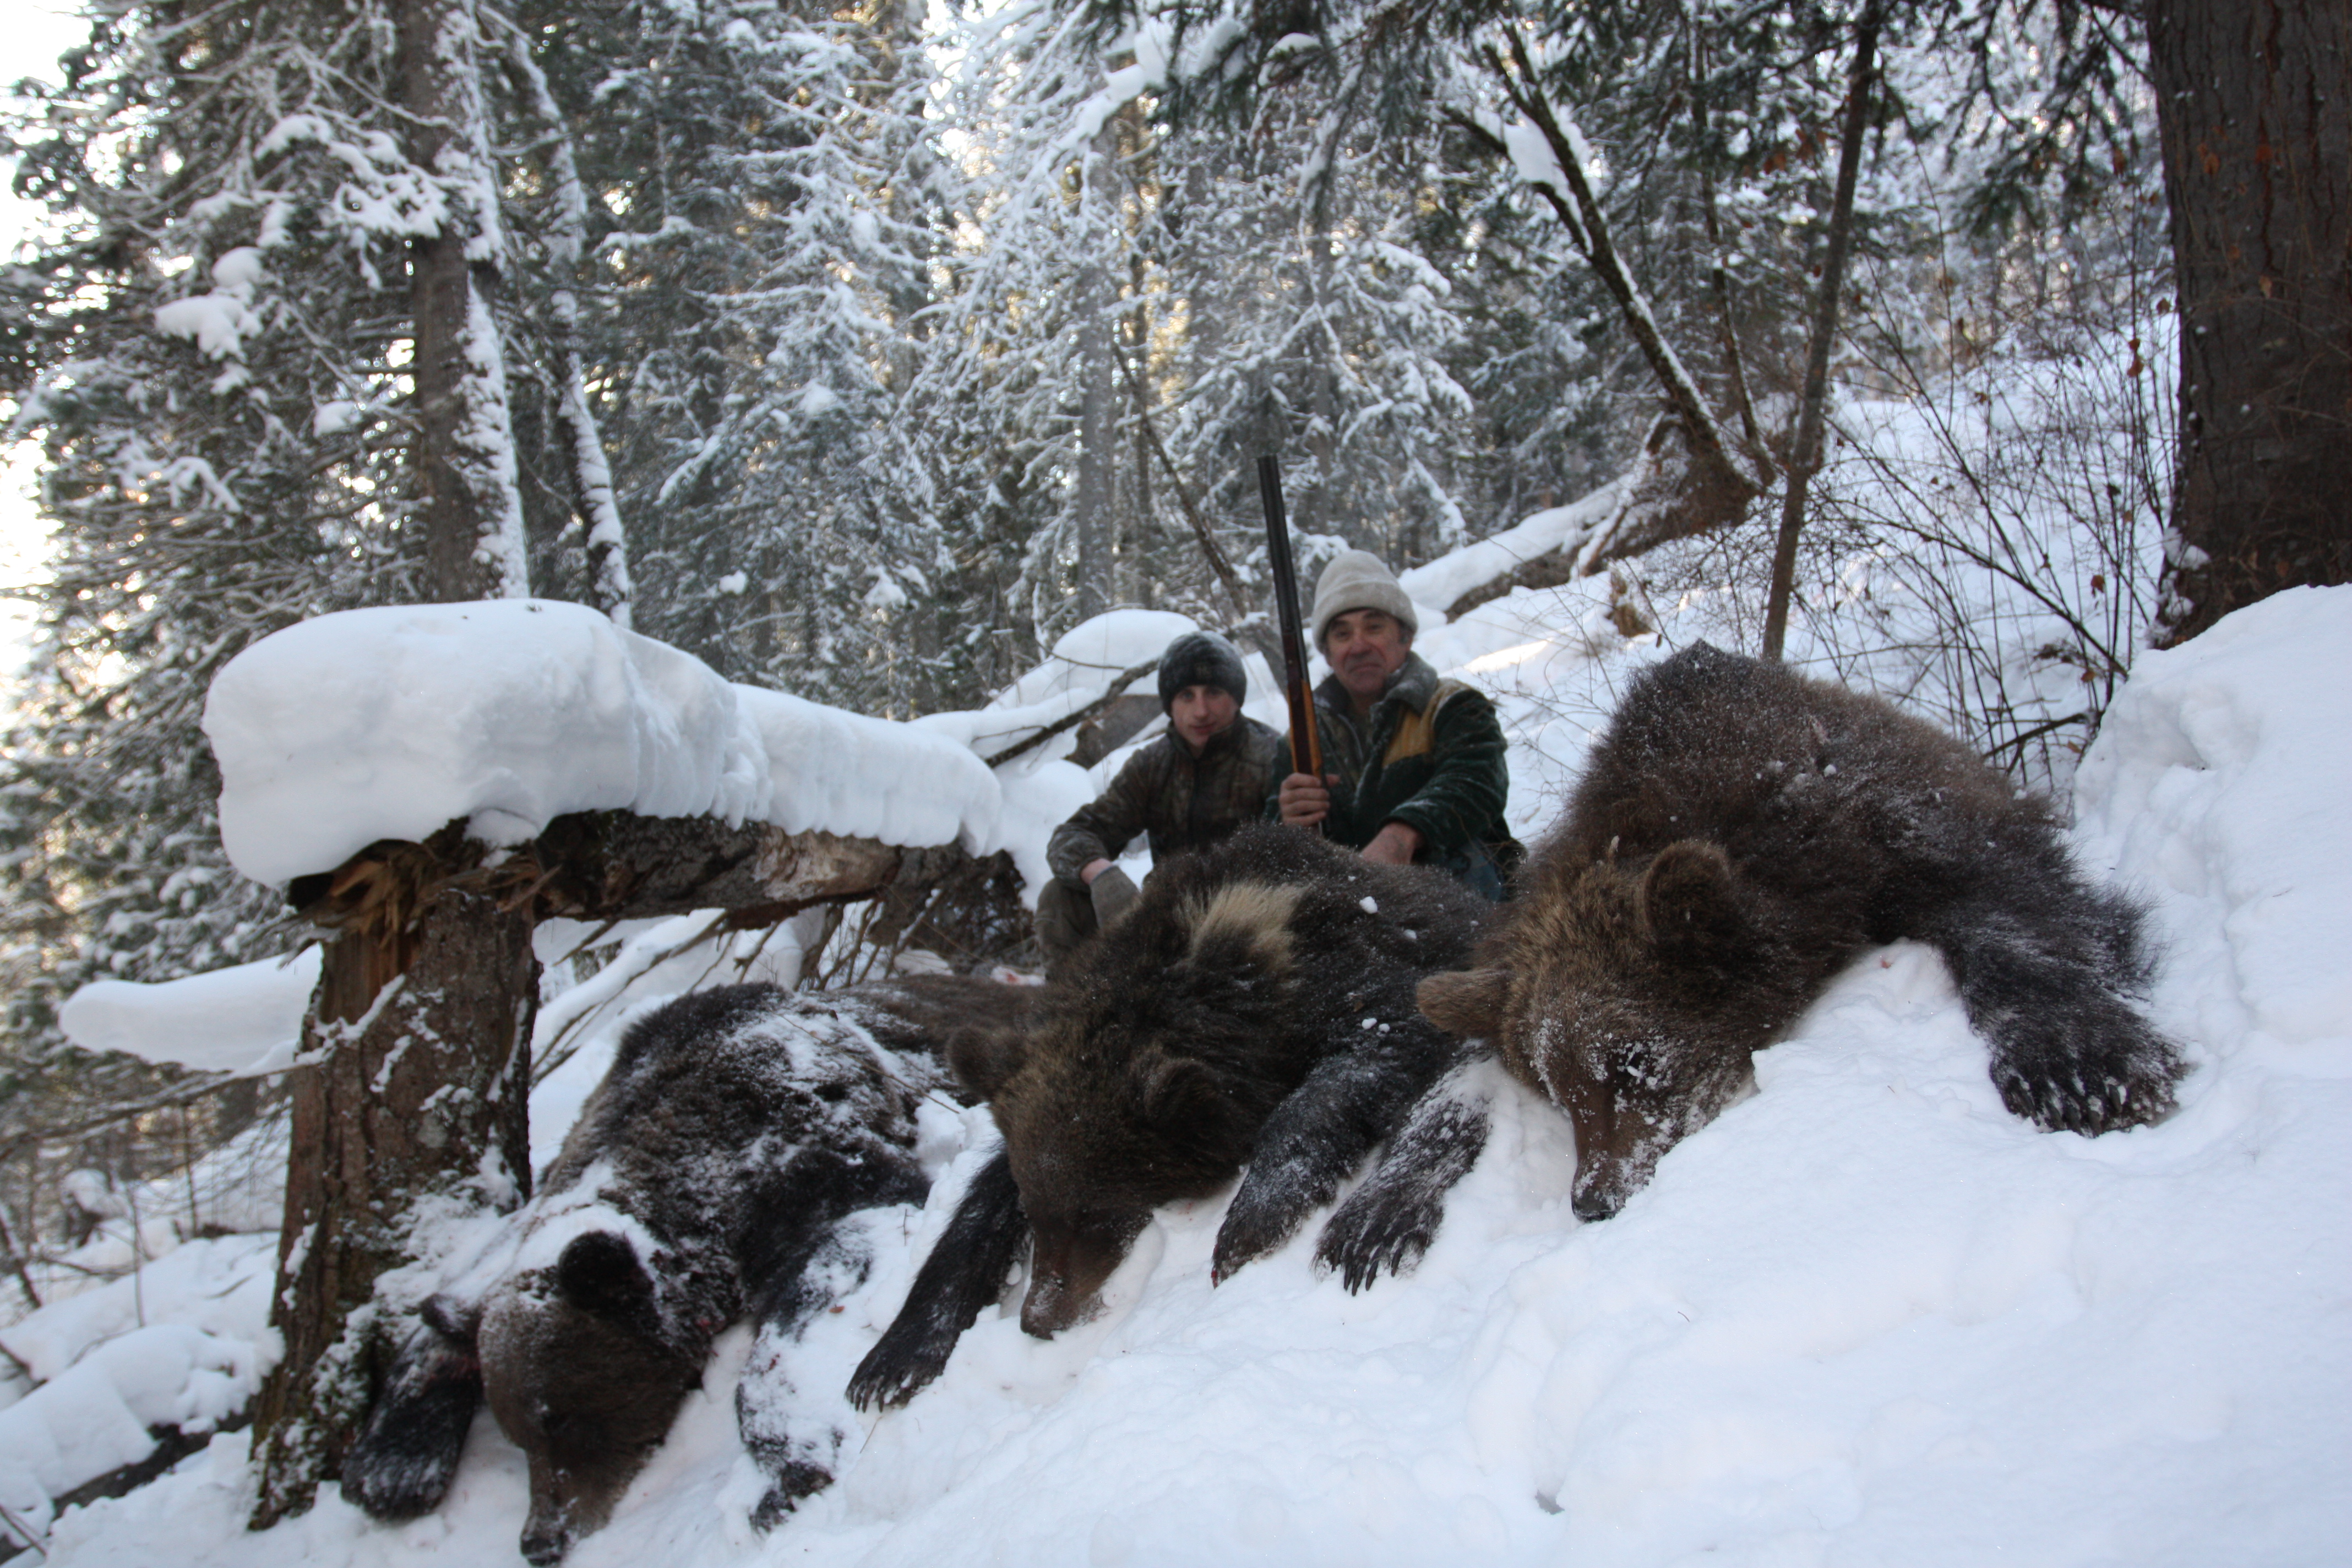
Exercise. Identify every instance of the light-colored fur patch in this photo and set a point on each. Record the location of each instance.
(1258, 913)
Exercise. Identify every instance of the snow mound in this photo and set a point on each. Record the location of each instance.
(1094, 650)
(387, 724)
(1443, 581)
(2221, 775)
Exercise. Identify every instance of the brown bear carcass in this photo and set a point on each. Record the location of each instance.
(1740, 835)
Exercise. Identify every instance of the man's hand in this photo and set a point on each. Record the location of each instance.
(1114, 893)
(1303, 802)
(1091, 869)
(1394, 844)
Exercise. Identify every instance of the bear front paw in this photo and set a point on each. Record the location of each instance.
(2124, 1078)
(897, 1368)
(1265, 1213)
(1389, 1221)
(1378, 1229)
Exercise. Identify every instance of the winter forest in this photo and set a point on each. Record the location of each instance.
(547, 508)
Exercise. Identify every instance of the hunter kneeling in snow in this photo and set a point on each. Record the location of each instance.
(1186, 789)
(1415, 764)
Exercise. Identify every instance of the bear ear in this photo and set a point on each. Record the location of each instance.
(982, 1058)
(1173, 1090)
(451, 1317)
(1467, 1004)
(599, 1273)
(1690, 900)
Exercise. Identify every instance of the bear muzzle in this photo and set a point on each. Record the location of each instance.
(1070, 1259)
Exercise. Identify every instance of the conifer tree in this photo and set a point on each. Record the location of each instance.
(762, 207)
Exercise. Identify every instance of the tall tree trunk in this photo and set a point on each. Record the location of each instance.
(2254, 104)
(469, 502)
(594, 510)
(1096, 501)
(416, 1110)
(1805, 457)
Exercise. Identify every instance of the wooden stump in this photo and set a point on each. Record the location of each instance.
(417, 1105)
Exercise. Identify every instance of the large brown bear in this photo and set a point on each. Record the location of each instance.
(1742, 833)
(707, 1180)
(1254, 1009)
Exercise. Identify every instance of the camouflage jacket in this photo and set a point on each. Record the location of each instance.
(1430, 755)
(1177, 800)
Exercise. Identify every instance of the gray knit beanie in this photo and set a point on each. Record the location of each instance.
(1202, 659)
(1356, 580)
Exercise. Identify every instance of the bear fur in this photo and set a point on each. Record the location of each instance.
(707, 1180)
(1254, 1009)
(1740, 835)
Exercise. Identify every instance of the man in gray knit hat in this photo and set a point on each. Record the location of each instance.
(1185, 790)
(1413, 768)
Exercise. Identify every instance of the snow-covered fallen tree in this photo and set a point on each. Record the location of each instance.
(506, 714)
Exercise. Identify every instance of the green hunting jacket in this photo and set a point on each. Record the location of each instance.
(1430, 755)
(1178, 801)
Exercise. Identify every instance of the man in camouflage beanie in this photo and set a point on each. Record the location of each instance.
(1184, 790)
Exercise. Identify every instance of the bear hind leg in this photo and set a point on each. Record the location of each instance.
(794, 1445)
(401, 1464)
(811, 1251)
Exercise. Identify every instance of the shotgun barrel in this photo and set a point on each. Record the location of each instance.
(1306, 745)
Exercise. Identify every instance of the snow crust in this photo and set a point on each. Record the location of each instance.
(246, 1019)
(1866, 1317)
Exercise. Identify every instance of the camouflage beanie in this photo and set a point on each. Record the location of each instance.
(1201, 659)
(1357, 580)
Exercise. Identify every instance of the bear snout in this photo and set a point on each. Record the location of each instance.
(544, 1543)
(1069, 1262)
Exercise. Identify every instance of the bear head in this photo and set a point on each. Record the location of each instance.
(1142, 1080)
(584, 1371)
(1634, 996)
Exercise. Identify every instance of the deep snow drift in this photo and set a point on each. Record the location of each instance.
(1867, 1317)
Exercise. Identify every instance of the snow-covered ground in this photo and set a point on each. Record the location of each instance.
(1867, 1317)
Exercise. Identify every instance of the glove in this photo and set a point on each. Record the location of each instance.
(1114, 893)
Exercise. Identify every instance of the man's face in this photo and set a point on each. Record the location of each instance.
(1202, 712)
(1365, 648)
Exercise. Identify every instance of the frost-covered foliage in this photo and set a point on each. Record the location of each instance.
(1148, 304)
(764, 203)
(218, 364)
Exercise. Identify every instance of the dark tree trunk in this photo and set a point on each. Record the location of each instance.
(1096, 497)
(420, 1029)
(468, 504)
(422, 1035)
(2255, 103)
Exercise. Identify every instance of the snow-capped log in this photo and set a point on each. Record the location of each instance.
(506, 714)
(1666, 493)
